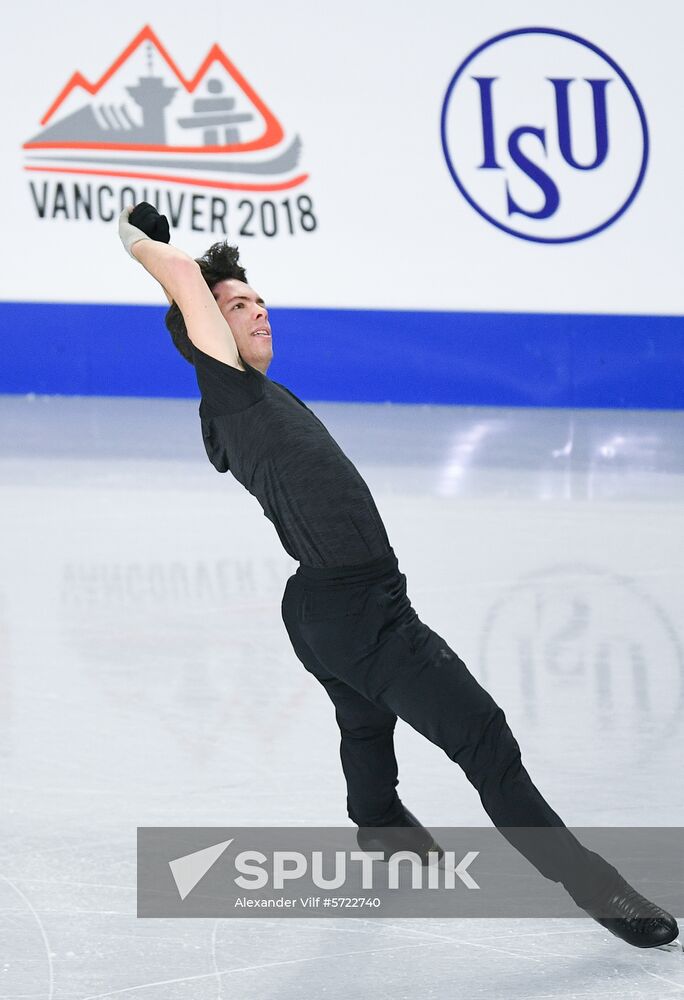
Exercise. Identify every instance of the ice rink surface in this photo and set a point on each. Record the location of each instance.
(147, 679)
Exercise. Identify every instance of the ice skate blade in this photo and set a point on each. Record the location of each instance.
(677, 945)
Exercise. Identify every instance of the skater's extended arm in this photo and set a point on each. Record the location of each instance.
(182, 281)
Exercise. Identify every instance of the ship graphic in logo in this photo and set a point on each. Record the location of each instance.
(146, 120)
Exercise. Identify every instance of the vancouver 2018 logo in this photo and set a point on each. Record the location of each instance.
(544, 135)
(144, 131)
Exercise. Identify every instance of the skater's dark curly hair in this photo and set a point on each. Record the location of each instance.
(220, 262)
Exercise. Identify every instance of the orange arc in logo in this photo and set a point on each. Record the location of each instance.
(270, 137)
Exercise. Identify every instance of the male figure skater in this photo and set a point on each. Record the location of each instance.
(346, 609)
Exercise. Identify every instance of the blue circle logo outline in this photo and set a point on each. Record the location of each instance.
(625, 79)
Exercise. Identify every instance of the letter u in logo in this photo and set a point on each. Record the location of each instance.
(598, 90)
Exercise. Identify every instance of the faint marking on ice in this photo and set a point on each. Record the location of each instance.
(664, 979)
(219, 984)
(46, 943)
(90, 885)
(264, 965)
(379, 924)
(465, 943)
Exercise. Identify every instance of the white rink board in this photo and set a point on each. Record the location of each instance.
(363, 86)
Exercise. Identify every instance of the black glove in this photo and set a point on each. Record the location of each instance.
(146, 218)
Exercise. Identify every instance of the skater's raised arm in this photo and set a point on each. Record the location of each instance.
(183, 283)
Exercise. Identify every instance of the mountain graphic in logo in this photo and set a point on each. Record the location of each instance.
(144, 119)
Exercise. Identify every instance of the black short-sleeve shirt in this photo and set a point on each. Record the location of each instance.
(279, 450)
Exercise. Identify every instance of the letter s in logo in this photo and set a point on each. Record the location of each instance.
(535, 173)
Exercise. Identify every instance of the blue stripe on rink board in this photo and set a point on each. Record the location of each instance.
(504, 359)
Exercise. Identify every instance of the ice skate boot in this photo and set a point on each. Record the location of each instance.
(405, 834)
(630, 916)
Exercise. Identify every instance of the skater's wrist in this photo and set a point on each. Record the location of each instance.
(130, 235)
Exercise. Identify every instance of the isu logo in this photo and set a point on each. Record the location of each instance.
(544, 135)
(143, 121)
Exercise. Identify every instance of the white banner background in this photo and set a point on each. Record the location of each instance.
(363, 86)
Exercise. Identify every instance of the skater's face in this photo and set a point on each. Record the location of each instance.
(247, 316)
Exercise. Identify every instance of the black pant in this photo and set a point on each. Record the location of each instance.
(355, 630)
